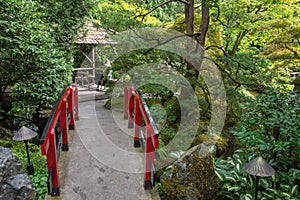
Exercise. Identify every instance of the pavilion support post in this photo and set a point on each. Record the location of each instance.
(93, 60)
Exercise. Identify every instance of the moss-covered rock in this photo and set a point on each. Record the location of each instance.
(14, 183)
(192, 177)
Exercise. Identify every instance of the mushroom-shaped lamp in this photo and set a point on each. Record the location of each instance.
(25, 134)
(259, 168)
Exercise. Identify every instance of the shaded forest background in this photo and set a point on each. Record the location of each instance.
(255, 45)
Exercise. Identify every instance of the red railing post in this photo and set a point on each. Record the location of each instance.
(137, 122)
(52, 163)
(66, 106)
(71, 109)
(125, 102)
(63, 123)
(149, 158)
(130, 107)
(134, 102)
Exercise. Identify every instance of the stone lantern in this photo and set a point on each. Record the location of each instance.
(258, 168)
(25, 134)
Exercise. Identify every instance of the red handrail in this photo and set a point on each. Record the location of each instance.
(134, 103)
(63, 117)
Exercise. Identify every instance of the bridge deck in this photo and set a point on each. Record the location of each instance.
(101, 162)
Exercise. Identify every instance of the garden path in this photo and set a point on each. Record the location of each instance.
(95, 168)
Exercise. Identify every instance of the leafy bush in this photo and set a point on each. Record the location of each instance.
(236, 184)
(270, 127)
(36, 58)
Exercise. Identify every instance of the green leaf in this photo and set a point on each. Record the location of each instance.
(264, 183)
(294, 189)
(267, 194)
(219, 175)
(285, 195)
(234, 189)
(285, 187)
(229, 178)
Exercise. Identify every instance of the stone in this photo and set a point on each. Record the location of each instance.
(18, 181)
(192, 176)
(14, 183)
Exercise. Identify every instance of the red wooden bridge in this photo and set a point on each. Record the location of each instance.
(91, 167)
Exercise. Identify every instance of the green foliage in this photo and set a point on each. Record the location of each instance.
(236, 184)
(269, 26)
(157, 90)
(159, 188)
(270, 127)
(107, 14)
(36, 59)
(166, 13)
(39, 178)
(158, 113)
(167, 134)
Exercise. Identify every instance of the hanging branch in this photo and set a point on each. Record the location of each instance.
(231, 78)
(159, 42)
(218, 16)
(158, 6)
(228, 56)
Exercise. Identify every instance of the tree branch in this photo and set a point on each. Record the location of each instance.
(160, 43)
(158, 6)
(228, 56)
(237, 42)
(231, 78)
(218, 16)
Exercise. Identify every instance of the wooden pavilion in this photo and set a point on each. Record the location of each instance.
(93, 36)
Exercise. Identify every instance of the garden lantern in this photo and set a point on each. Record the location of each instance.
(259, 168)
(25, 134)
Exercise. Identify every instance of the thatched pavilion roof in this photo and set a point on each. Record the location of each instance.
(94, 35)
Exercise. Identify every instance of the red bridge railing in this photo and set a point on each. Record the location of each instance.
(136, 110)
(55, 134)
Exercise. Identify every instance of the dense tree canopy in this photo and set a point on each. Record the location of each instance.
(36, 60)
(254, 43)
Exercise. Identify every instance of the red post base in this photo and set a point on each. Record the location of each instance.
(137, 143)
(147, 185)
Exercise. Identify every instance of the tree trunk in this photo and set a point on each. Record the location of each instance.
(189, 17)
(237, 42)
(191, 72)
(204, 23)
